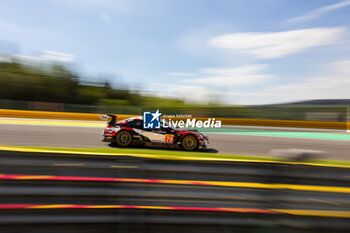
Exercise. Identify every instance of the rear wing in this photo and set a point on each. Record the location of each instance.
(107, 116)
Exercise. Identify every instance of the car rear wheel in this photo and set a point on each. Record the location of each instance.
(123, 138)
(189, 143)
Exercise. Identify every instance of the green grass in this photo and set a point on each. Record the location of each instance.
(166, 153)
(177, 154)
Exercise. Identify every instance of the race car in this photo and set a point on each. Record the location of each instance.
(130, 132)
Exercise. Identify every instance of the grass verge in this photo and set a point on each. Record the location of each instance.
(177, 155)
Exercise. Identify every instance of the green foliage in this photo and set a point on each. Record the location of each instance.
(52, 83)
(56, 83)
(113, 102)
(20, 82)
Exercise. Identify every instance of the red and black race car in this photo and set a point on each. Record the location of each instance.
(130, 132)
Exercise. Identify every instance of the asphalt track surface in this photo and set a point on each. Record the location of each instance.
(226, 143)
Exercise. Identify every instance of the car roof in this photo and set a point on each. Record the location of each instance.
(134, 118)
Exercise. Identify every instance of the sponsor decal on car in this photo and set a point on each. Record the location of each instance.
(169, 138)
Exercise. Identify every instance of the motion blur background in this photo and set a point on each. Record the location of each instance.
(195, 56)
(264, 67)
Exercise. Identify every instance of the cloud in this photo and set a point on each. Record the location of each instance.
(277, 44)
(105, 16)
(244, 75)
(218, 84)
(179, 74)
(319, 12)
(8, 28)
(335, 84)
(4, 59)
(113, 5)
(106, 10)
(48, 56)
(191, 93)
(57, 56)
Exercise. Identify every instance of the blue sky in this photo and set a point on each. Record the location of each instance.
(236, 52)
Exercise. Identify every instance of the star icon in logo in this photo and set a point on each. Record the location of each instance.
(156, 115)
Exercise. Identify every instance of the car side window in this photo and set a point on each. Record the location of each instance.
(135, 124)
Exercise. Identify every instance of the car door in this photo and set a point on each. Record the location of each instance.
(162, 135)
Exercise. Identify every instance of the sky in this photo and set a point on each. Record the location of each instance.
(235, 52)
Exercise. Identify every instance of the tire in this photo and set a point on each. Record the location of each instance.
(123, 139)
(189, 143)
